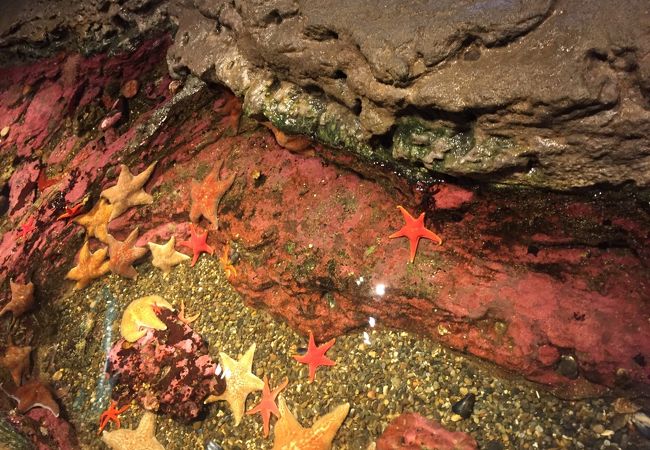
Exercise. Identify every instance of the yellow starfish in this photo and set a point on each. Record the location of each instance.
(140, 314)
(239, 382)
(165, 256)
(142, 438)
(89, 266)
(128, 190)
(96, 220)
(289, 434)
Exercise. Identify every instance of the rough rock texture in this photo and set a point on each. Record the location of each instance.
(546, 93)
(168, 371)
(411, 431)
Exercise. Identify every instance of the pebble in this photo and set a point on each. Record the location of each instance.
(4, 132)
(130, 89)
(465, 406)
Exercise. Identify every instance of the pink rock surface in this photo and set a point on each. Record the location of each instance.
(522, 279)
(411, 431)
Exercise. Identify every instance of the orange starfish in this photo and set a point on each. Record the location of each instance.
(207, 194)
(414, 230)
(123, 254)
(291, 143)
(72, 211)
(225, 262)
(111, 415)
(315, 356)
(267, 405)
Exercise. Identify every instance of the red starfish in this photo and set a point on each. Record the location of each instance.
(111, 415)
(315, 356)
(414, 230)
(27, 228)
(198, 244)
(72, 211)
(267, 405)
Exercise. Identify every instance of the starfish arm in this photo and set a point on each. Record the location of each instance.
(413, 248)
(398, 233)
(408, 218)
(428, 234)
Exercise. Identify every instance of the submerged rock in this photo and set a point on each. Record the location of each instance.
(167, 371)
(411, 431)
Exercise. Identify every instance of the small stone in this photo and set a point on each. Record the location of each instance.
(130, 89)
(465, 406)
(598, 428)
(57, 375)
(456, 418)
(642, 423)
(568, 367)
(4, 132)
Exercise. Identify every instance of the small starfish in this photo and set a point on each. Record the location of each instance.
(22, 299)
(187, 320)
(315, 356)
(207, 194)
(72, 211)
(228, 267)
(27, 228)
(267, 405)
(141, 438)
(140, 314)
(96, 220)
(111, 415)
(165, 256)
(122, 255)
(414, 230)
(89, 266)
(198, 244)
(128, 190)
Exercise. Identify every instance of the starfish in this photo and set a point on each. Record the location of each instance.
(16, 360)
(165, 256)
(89, 266)
(22, 299)
(315, 356)
(111, 415)
(267, 405)
(289, 434)
(198, 244)
(96, 220)
(207, 194)
(73, 211)
(228, 267)
(142, 438)
(33, 394)
(124, 254)
(291, 143)
(128, 191)
(187, 320)
(27, 228)
(141, 314)
(239, 382)
(414, 230)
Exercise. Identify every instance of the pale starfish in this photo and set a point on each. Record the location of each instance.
(128, 190)
(289, 434)
(207, 194)
(140, 314)
(89, 266)
(16, 360)
(240, 382)
(165, 256)
(142, 438)
(123, 254)
(22, 299)
(96, 220)
(187, 320)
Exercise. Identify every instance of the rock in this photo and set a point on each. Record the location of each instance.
(465, 406)
(177, 357)
(642, 423)
(513, 92)
(4, 132)
(130, 89)
(568, 367)
(411, 431)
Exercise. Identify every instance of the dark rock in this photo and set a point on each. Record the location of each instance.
(541, 93)
(568, 367)
(465, 406)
